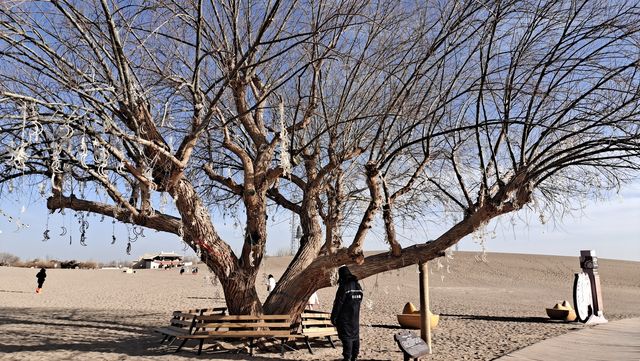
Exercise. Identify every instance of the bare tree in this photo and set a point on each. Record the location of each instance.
(339, 112)
(8, 259)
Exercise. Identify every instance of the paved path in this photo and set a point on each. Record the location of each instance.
(618, 340)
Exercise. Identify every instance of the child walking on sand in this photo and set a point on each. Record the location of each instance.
(41, 276)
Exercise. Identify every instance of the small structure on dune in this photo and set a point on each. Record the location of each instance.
(158, 260)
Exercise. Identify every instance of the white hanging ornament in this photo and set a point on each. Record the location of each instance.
(163, 201)
(171, 141)
(251, 259)
(285, 157)
(334, 277)
(84, 151)
(41, 189)
(18, 156)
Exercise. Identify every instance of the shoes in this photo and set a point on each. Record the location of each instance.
(38, 290)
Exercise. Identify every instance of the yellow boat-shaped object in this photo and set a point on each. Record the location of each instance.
(562, 311)
(410, 318)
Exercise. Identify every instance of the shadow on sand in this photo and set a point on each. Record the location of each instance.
(204, 298)
(118, 334)
(11, 291)
(500, 318)
(388, 327)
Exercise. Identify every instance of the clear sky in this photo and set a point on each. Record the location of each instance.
(612, 228)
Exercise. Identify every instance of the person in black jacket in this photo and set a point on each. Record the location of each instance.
(346, 313)
(41, 276)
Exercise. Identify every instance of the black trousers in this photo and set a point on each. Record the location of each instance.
(40, 283)
(350, 348)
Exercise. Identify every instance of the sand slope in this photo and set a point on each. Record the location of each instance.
(487, 309)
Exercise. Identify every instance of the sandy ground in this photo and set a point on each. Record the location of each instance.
(487, 309)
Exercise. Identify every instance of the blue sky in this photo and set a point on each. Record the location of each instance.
(612, 228)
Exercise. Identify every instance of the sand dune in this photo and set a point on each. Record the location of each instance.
(487, 309)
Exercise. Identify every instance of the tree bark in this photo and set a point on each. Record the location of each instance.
(237, 282)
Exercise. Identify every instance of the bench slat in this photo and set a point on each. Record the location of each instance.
(316, 322)
(235, 334)
(243, 317)
(243, 325)
(319, 330)
(172, 331)
(326, 316)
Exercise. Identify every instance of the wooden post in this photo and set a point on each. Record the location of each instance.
(425, 321)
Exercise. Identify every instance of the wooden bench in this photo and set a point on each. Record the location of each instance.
(181, 322)
(252, 328)
(316, 325)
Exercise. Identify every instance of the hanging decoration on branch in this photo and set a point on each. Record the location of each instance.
(251, 259)
(18, 155)
(36, 131)
(84, 151)
(42, 190)
(285, 157)
(45, 234)
(16, 221)
(163, 202)
(134, 233)
(113, 231)
(129, 239)
(138, 232)
(334, 277)
(84, 225)
(100, 157)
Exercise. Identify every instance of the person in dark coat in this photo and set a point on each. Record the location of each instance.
(345, 314)
(41, 276)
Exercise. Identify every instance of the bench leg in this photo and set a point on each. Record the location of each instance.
(164, 338)
(306, 340)
(171, 340)
(331, 342)
(282, 348)
(288, 346)
(200, 346)
(251, 346)
(181, 344)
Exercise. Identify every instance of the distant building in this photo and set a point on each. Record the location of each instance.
(158, 260)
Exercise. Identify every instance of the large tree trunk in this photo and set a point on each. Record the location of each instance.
(292, 291)
(240, 294)
(238, 281)
(292, 294)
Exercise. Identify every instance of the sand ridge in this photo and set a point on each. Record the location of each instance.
(487, 309)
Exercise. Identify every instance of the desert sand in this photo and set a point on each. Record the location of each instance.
(487, 309)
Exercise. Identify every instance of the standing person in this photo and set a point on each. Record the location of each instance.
(271, 283)
(313, 301)
(345, 314)
(181, 270)
(41, 276)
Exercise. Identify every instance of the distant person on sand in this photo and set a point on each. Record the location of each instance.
(313, 301)
(181, 271)
(271, 283)
(41, 276)
(346, 313)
